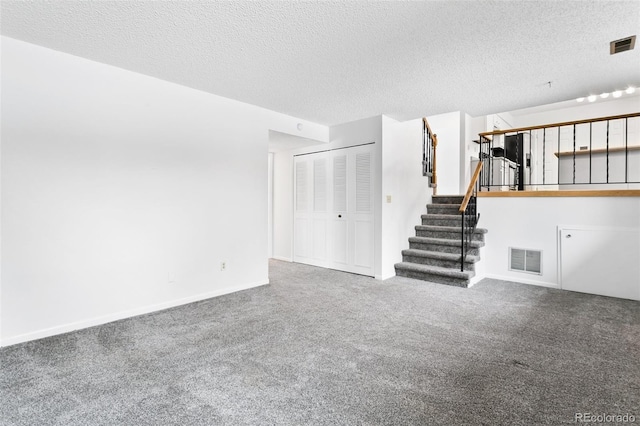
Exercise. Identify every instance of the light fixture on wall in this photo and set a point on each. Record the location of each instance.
(592, 98)
(580, 99)
(604, 95)
(630, 90)
(617, 93)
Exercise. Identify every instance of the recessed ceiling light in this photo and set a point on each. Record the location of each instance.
(580, 99)
(592, 98)
(630, 90)
(604, 95)
(617, 93)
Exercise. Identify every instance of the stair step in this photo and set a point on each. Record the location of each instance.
(436, 258)
(442, 219)
(439, 255)
(449, 229)
(447, 232)
(443, 245)
(443, 208)
(435, 274)
(447, 199)
(444, 241)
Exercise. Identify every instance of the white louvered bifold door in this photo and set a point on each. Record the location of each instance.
(339, 234)
(311, 209)
(361, 211)
(319, 226)
(301, 209)
(333, 209)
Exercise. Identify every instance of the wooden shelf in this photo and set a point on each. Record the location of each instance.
(596, 151)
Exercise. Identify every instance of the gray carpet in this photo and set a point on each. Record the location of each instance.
(323, 347)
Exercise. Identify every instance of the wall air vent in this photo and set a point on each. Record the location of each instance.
(622, 45)
(523, 260)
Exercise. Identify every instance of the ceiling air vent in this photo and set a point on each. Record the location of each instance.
(622, 45)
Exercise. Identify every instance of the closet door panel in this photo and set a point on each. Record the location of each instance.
(333, 209)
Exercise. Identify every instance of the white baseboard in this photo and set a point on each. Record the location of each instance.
(66, 328)
(284, 259)
(476, 279)
(384, 277)
(523, 281)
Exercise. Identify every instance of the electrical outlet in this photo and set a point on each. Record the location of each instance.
(223, 266)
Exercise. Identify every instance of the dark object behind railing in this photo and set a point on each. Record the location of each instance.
(584, 152)
(429, 144)
(469, 216)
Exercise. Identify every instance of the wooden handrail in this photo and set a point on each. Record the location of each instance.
(472, 184)
(434, 174)
(565, 123)
(426, 123)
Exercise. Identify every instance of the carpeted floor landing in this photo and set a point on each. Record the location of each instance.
(321, 347)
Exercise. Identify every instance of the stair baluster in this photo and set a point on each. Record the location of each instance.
(469, 214)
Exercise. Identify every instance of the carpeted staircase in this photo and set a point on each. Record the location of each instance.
(434, 253)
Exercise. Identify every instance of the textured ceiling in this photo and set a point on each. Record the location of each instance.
(332, 62)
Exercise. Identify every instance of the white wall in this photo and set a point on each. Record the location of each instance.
(1, 109)
(499, 121)
(402, 180)
(353, 133)
(450, 130)
(270, 207)
(531, 223)
(283, 206)
(473, 127)
(122, 193)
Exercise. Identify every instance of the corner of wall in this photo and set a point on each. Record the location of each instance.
(404, 191)
(448, 128)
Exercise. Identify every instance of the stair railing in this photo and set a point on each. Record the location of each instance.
(595, 151)
(429, 144)
(469, 215)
